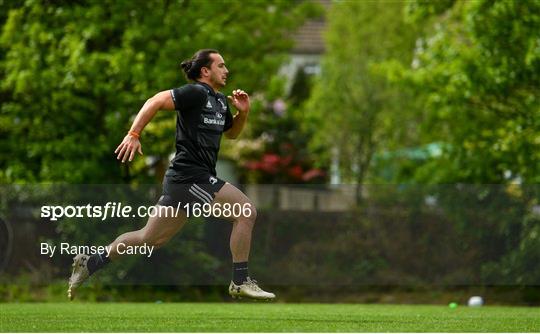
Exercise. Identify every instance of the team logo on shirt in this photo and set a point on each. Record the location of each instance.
(207, 120)
(223, 105)
(212, 180)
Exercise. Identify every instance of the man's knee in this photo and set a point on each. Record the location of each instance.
(157, 242)
(158, 231)
(249, 213)
(151, 239)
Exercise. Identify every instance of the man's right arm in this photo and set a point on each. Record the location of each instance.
(131, 144)
(161, 101)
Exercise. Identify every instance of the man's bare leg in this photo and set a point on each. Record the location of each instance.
(240, 242)
(157, 232)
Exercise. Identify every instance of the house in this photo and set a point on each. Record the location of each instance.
(308, 48)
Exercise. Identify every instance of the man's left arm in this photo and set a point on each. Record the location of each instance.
(240, 100)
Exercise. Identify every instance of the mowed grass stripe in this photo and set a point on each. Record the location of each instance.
(263, 317)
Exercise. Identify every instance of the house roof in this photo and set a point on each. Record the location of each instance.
(309, 37)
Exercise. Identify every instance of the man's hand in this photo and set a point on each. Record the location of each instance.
(128, 147)
(240, 100)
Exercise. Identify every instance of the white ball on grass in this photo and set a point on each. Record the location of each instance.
(476, 301)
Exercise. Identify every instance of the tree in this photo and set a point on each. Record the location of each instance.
(476, 71)
(353, 107)
(74, 75)
(476, 76)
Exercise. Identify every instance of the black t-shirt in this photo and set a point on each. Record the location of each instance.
(202, 116)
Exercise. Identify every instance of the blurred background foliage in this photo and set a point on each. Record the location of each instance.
(410, 94)
(74, 75)
(416, 91)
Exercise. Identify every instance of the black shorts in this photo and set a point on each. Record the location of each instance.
(198, 189)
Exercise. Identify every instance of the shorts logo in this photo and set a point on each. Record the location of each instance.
(212, 180)
(200, 193)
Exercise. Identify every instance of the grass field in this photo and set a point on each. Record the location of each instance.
(263, 317)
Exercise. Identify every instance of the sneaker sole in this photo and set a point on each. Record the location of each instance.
(252, 298)
(71, 289)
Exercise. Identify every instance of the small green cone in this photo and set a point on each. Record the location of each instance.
(452, 305)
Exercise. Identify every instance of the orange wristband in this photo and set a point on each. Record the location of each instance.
(134, 134)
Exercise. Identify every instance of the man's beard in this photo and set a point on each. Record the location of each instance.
(218, 82)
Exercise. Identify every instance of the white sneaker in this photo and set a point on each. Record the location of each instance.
(79, 275)
(249, 289)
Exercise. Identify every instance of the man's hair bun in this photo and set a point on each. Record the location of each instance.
(192, 67)
(186, 65)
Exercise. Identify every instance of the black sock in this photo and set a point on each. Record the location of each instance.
(96, 262)
(240, 272)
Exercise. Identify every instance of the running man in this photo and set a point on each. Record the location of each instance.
(203, 114)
